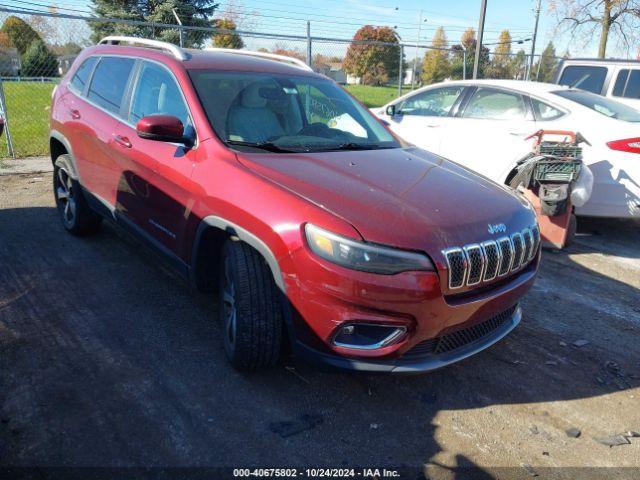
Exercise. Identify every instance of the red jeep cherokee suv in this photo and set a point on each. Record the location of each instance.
(270, 185)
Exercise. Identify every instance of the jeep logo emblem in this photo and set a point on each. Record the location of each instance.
(496, 228)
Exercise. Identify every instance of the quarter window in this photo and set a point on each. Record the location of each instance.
(584, 77)
(627, 84)
(109, 82)
(81, 76)
(488, 103)
(544, 111)
(157, 92)
(432, 103)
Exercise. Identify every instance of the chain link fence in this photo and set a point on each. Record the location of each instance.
(48, 43)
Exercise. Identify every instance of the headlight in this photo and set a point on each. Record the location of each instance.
(363, 256)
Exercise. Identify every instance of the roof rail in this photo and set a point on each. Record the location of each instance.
(273, 56)
(176, 51)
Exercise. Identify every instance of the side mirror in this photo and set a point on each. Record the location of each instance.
(391, 110)
(162, 128)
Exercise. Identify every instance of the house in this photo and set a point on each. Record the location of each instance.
(64, 63)
(9, 62)
(334, 71)
(408, 74)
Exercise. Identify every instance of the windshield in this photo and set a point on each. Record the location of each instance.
(602, 105)
(286, 114)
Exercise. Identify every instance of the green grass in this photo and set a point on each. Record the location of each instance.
(28, 105)
(373, 96)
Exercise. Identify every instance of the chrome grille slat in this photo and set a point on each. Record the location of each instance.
(518, 250)
(506, 252)
(528, 244)
(476, 263)
(457, 265)
(492, 259)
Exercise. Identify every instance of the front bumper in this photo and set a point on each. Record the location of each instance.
(411, 365)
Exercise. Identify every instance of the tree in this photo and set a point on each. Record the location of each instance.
(38, 61)
(467, 44)
(588, 16)
(192, 12)
(519, 65)
(544, 69)
(227, 38)
(279, 49)
(20, 33)
(501, 65)
(374, 64)
(436, 66)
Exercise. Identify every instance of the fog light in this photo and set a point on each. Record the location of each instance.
(368, 336)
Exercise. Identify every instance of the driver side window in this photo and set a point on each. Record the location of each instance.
(432, 103)
(319, 108)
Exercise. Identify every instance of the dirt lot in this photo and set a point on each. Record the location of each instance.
(108, 359)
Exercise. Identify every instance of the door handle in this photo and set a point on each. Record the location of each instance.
(75, 114)
(122, 141)
(518, 134)
(433, 125)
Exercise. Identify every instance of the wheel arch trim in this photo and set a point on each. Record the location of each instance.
(55, 134)
(243, 234)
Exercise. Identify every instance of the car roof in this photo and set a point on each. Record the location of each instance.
(207, 60)
(522, 86)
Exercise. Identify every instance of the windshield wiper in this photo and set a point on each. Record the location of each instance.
(268, 146)
(358, 146)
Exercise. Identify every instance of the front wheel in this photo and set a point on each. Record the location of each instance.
(76, 216)
(250, 308)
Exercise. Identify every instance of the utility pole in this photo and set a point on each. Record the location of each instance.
(309, 57)
(415, 60)
(476, 62)
(533, 42)
(179, 28)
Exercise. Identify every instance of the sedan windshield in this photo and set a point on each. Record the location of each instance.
(600, 104)
(283, 114)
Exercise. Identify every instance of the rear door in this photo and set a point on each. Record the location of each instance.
(422, 118)
(154, 191)
(98, 115)
(490, 131)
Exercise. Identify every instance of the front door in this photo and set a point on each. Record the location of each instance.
(154, 189)
(423, 117)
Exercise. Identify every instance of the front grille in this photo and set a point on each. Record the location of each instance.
(482, 262)
(452, 341)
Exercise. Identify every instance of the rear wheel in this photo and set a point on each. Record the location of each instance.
(249, 307)
(76, 216)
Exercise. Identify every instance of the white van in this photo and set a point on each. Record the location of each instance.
(618, 79)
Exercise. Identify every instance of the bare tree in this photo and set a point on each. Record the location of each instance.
(620, 17)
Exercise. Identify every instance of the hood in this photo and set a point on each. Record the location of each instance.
(407, 198)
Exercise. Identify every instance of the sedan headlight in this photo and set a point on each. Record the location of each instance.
(363, 256)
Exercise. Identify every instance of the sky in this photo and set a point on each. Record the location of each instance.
(341, 19)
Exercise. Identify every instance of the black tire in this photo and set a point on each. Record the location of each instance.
(75, 214)
(249, 307)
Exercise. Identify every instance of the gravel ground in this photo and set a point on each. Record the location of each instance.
(108, 359)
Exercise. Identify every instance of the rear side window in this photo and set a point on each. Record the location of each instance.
(157, 92)
(491, 104)
(81, 76)
(109, 82)
(544, 111)
(584, 77)
(603, 105)
(627, 84)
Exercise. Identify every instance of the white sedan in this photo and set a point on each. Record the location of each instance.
(482, 124)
